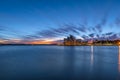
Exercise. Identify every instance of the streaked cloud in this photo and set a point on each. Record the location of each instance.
(117, 22)
(53, 35)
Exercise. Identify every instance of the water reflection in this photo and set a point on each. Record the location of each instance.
(119, 58)
(118, 63)
(92, 57)
(61, 62)
(69, 61)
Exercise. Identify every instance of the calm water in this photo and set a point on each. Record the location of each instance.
(59, 63)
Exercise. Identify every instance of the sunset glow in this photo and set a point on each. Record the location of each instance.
(42, 42)
(49, 21)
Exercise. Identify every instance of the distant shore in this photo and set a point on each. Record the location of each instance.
(57, 45)
(27, 44)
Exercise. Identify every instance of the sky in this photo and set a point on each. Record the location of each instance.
(49, 21)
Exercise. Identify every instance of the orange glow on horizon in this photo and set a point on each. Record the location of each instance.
(118, 43)
(18, 41)
(3, 41)
(42, 42)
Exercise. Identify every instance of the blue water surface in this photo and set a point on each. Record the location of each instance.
(59, 63)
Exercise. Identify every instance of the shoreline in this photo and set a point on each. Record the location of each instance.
(50, 45)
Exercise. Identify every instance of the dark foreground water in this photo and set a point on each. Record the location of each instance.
(59, 63)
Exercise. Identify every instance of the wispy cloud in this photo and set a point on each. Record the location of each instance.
(91, 35)
(1, 28)
(64, 30)
(109, 33)
(99, 27)
(117, 21)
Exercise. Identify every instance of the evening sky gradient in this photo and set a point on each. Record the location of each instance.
(46, 21)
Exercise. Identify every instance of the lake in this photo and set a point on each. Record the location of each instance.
(59, 63)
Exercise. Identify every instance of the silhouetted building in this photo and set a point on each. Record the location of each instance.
(71, 41)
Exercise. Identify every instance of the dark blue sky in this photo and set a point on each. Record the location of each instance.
(54, 19)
